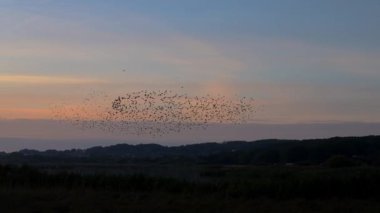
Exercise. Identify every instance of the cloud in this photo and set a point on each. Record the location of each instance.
(48, 134)
(51, 80)
(300, 102)
(24, 113)
(148, 46)
(295, 81)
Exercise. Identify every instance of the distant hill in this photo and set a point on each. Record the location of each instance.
(306, 152)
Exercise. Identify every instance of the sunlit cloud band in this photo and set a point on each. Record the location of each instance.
(32, 79)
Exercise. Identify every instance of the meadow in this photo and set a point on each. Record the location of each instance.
(217, 189)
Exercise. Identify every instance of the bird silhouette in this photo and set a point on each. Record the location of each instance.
(154, 112)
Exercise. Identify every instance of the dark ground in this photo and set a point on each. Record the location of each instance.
(218, 189)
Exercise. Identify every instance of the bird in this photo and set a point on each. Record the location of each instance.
(155, 112)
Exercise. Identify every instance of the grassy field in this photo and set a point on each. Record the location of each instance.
(63, 200)
(217, 189)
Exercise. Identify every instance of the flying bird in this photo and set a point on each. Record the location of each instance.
(155, 112)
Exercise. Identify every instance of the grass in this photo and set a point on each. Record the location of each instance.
(220, 189)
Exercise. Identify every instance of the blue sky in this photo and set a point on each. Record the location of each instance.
(346, 23)
(303, 61)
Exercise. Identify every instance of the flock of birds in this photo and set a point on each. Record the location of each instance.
(154, 113)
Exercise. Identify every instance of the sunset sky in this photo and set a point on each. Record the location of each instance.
(304, 62)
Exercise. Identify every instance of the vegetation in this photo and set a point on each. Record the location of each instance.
(225, 189)
(360, 150)
(332, 175)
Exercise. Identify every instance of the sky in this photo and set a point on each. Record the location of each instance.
(304, 62)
